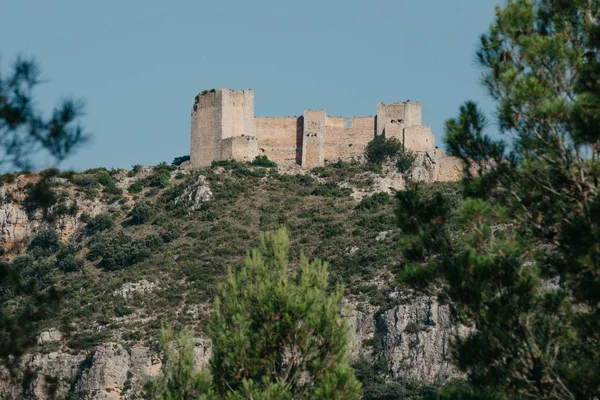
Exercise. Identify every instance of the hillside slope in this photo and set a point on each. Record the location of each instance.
(129, 250)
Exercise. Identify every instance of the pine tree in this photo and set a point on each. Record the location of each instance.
(520, 255)
(276, 334)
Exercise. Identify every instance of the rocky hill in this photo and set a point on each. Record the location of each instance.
(128, 251)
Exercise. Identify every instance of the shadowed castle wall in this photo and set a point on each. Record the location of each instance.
(206, 129)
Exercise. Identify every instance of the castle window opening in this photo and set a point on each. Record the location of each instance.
(348, 123)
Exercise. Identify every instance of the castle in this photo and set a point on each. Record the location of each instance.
(224, 127)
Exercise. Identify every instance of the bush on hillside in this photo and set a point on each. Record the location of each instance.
(120, 251)
(330, 189)
(66, 259)
(141, 213)
(180, 160)
(45, 242)
(405, 161)
(99, 223)
(263, 161)
(380, 149)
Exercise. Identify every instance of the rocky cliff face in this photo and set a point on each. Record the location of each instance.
(411, 333)
(412, 338)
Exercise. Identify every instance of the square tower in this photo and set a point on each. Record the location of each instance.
(219, 114)
(313, 138)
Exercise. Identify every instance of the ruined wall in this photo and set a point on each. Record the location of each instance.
(206, 128)
(278, 138)
(347, 137)
(313, 138)
(241, 148)
(419, 138)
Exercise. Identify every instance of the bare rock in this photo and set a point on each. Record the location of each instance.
(51, 335)
(416, 339)
(15, 226)
(128, 289)
(196, 193)
(107, 374)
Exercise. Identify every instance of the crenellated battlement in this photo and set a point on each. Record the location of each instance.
(224, 127)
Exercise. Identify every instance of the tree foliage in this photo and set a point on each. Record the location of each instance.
(25, 134)
(278, 334)
(23, 129)
(519, 256)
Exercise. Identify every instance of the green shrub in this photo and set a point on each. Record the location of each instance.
(405, 161)
(120, 251)
(136, 187)
(7, 178)
(66, 259)
(380, 149)
(85, 180)
(375, 201)
(41, 194)
(171, 233)
(179, 160)
(99, 223)
(46, 241)
(160, 179)
(112, 189)
(330, 189)
(49, 173)
(105, 179)
(141, 213)
(263, 161)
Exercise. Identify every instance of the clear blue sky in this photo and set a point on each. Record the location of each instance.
(139, 64)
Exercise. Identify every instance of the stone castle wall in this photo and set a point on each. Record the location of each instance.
(278, 138)
(220, 117)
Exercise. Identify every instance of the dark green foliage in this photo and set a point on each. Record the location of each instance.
(179, 378)
(65, 209)
(8, 178)
(66, 258)
(376, 386)
(24, 130)
(519, 256)
(263, 161)
(374, 201)
(121, 251)
(330, 189)
(179, 160)
(105, 179)
(275, 334)
(112, 189)
(24, 133)
(136, 187)
(49, 173)
(380, 149)
(45, 242)
(161, 176)
(141, 213)
(405, 161)
(41, 194)
(99, 223)
(171, 233)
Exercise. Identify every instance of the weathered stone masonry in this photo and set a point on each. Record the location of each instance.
(224, 127)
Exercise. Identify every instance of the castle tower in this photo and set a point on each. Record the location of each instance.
(313, 138)
(220, 114)
(404, 122)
